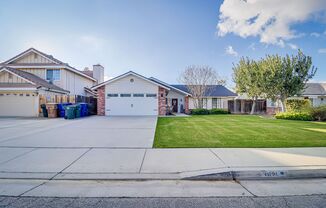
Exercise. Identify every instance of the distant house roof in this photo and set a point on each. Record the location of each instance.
(214, 90)
(33, 79)
(315, 89)
(55, 61)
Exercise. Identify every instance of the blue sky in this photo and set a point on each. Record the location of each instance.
(161, 38)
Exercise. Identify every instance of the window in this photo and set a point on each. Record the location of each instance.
(112, 95)
(52, 74)
(150, 95)
(214, 102)
(202, 103)
(125, 95)
(132, 80)
(10, 76)
(138, 95)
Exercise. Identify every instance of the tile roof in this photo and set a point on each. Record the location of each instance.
(38, 81)
(17, 85)
(315, 89)
(214, 90)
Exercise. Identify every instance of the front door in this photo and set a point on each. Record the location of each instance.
(175, 105)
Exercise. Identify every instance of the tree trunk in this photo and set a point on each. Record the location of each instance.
(253, 107)
(283, 107)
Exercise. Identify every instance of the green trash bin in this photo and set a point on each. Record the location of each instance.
(78, 111)
(70, 112)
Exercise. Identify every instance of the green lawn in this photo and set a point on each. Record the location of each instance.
(237, 131)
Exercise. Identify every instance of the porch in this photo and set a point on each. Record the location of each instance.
(243, 106)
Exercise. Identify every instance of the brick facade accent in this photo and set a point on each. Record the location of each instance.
(161, 101)
(273, 110)
(101, 101)
(187, 111)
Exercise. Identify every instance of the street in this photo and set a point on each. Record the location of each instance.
(311, 201)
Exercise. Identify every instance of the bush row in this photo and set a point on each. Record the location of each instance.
(202, 111)
(294, 116)
(312, 114)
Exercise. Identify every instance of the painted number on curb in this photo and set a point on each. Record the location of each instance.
(274, 174)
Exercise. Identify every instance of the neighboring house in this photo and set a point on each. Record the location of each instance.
(134, 94)
(315, 92)
(20, 90)
(33, 73)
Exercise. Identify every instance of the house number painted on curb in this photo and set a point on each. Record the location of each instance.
(274, 173)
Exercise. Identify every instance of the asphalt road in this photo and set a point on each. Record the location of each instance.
(311, 201)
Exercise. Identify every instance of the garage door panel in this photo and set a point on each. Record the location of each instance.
(131, 106)
(17, 105)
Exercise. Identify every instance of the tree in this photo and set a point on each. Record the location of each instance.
(287, 77)
(199, 80)
(248, 77)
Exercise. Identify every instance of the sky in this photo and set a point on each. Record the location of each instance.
(160, 38)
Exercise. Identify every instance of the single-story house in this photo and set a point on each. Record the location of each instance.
(315, 92)
(32, 73)
(134, 94)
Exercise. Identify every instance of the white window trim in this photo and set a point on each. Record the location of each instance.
(46, 78)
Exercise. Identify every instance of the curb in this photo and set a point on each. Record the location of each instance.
(267, 174)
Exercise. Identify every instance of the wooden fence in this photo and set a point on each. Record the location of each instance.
(44, 99)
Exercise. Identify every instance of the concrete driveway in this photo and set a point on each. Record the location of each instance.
(95, 131)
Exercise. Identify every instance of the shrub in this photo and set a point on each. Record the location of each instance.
(302, 116)
(298, 105)
(202, 111)
(199, 111)
(319, 113)
(218, 111)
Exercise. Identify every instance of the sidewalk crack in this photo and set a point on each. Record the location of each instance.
(142, 162)
(218, 157)
(50, 179)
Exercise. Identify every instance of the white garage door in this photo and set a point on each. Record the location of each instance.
(19, 105)
(131, 104)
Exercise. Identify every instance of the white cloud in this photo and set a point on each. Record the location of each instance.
(293, 46)
(252, 46)
(315, 34)
(91, 42)
(229, 50)
(322, 50)
(269, 20)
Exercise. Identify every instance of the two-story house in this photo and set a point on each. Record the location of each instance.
(32, 73)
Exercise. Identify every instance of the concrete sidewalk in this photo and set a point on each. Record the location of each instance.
(111, 163)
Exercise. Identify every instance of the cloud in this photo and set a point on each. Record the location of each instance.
(229, 50)
(315, 34)
(271, 21)
(293, 46)
(91, 42)
(322, 50)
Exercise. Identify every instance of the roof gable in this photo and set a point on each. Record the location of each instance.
(127, 74)
(31, 56)
(35, 58)
(33, 79)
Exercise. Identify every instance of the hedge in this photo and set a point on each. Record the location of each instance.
(319, 113)
(298, 105)
(202, 111)
(303, 116)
